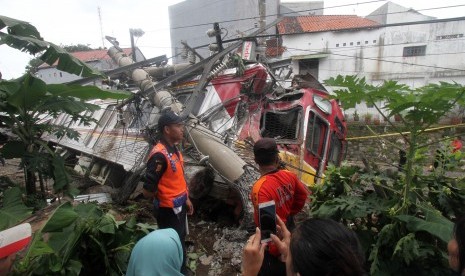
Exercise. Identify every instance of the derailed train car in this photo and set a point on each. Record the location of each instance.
(235, 105)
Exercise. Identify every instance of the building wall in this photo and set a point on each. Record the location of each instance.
(201, 14)
(391, 13)
(51, 75)
(377, 53)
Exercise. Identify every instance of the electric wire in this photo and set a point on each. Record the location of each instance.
(388, 61)
(312, 10)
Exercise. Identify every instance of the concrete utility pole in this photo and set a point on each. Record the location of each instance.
(101, 26)
(262, 21)
(133, 47)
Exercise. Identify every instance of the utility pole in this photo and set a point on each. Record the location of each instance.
(219, 42)
(135, 33)
(262, 21)
(101, 26)
(133, 47)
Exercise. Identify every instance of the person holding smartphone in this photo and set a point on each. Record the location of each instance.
(317, 246)
(277, 191)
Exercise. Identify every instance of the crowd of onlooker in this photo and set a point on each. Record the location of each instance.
(315, 246)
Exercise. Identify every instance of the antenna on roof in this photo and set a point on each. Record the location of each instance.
(101, 27)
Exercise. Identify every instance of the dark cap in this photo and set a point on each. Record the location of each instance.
(265, 146)
(169, 118)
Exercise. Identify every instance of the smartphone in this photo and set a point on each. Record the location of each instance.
(267, 219)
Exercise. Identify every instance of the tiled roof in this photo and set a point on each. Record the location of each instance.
(274, 51)
(274, 48)
(92, 55)
(318, 23)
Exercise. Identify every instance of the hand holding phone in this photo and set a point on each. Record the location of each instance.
(267, 219)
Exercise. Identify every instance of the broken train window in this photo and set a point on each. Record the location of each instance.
(316, 135)
(335, 150)
(282, 124)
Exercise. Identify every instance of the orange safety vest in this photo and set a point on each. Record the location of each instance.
(172, 186)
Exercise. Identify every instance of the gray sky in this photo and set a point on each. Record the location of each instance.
(77, 22)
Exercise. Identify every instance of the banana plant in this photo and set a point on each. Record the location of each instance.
(403, 220)
(27, 104)
(84, 239)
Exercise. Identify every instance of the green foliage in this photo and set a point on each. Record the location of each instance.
(33, 65)
(81, 240)
(395, 244)
(77, 48)
(25, 37)
(403, 220)
(13, 209)
(420, 107)
(27, 104)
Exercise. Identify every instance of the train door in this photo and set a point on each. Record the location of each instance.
(316, 141)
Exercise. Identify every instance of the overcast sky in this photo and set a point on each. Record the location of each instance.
(77, 22)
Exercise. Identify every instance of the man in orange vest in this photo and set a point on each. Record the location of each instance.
(281, 186)
(165, 182)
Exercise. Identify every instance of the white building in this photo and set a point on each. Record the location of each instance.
(97, 59)
(415, 53)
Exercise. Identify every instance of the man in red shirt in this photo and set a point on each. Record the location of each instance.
(457, 144)
(280, 185)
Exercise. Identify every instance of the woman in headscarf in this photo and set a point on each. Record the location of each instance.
(157, 254)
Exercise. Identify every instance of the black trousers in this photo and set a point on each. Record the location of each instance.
(166, 218)
(272, 266)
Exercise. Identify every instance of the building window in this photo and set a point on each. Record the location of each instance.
(358, 42)
(337, 45)
(366, 41)
(414, 51)
(351, 44)
(61, 74)
(374, 41)
(344, 44)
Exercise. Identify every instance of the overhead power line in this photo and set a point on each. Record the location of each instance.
(272, 15)
(384, 60)
(311, 10)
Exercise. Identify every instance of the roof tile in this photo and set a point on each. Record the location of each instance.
(318, 23)
(91, 55)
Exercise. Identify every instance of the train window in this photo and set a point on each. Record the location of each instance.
(340, 126)
(316, 132)
(87, 113)
(335, 149)
(106, 115)
(281, 124)
(183, 98)
(323, 104)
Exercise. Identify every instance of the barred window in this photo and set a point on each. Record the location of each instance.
(281, 124)
(414, 51)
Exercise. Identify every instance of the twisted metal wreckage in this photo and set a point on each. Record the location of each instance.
(230, 102)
